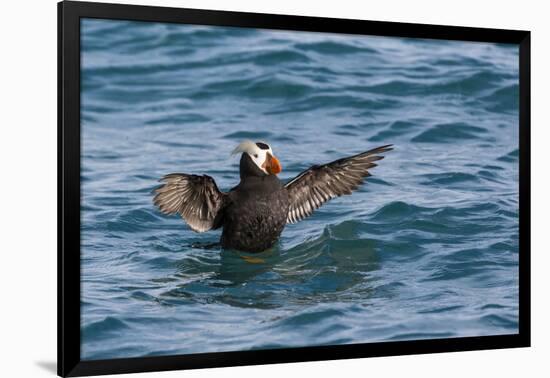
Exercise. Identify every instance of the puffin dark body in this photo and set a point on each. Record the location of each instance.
(256, 210)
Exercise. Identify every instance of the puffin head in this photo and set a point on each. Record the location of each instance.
(261, 155)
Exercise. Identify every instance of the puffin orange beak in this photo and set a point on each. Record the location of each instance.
(272, 165)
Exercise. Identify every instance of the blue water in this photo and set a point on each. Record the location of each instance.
(428, 248)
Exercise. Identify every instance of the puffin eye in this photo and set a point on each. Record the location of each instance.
(255, 155)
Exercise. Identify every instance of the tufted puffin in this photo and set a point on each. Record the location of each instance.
(254, 213)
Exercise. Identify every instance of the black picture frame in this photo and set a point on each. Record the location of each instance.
(69, 359)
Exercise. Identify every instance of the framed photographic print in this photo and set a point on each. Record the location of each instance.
(239, 188)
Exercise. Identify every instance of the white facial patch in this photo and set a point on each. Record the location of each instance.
(257, 154)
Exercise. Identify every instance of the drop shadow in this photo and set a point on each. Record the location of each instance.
(49, 366)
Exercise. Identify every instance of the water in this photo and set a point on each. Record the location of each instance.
(428, 248)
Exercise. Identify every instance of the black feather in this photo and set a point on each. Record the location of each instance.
(320, 183)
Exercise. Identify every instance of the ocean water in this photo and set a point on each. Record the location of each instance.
(427, 248)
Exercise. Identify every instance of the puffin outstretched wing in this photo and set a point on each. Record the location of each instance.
(320, 183)
(196, 198)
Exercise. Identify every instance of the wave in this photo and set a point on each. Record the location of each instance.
(450, 178)
(207, 35)
(331, 47)
(394, 130)
(332, 101)
(474, 84)
(504, 99)
(397, 211)
(262, 87)
(103, 329)
(510, 157)
(311, 317)
(500, 321)
(422, 336)
(240, 135)
(131, 221)
(178, 119)
(450, 133)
